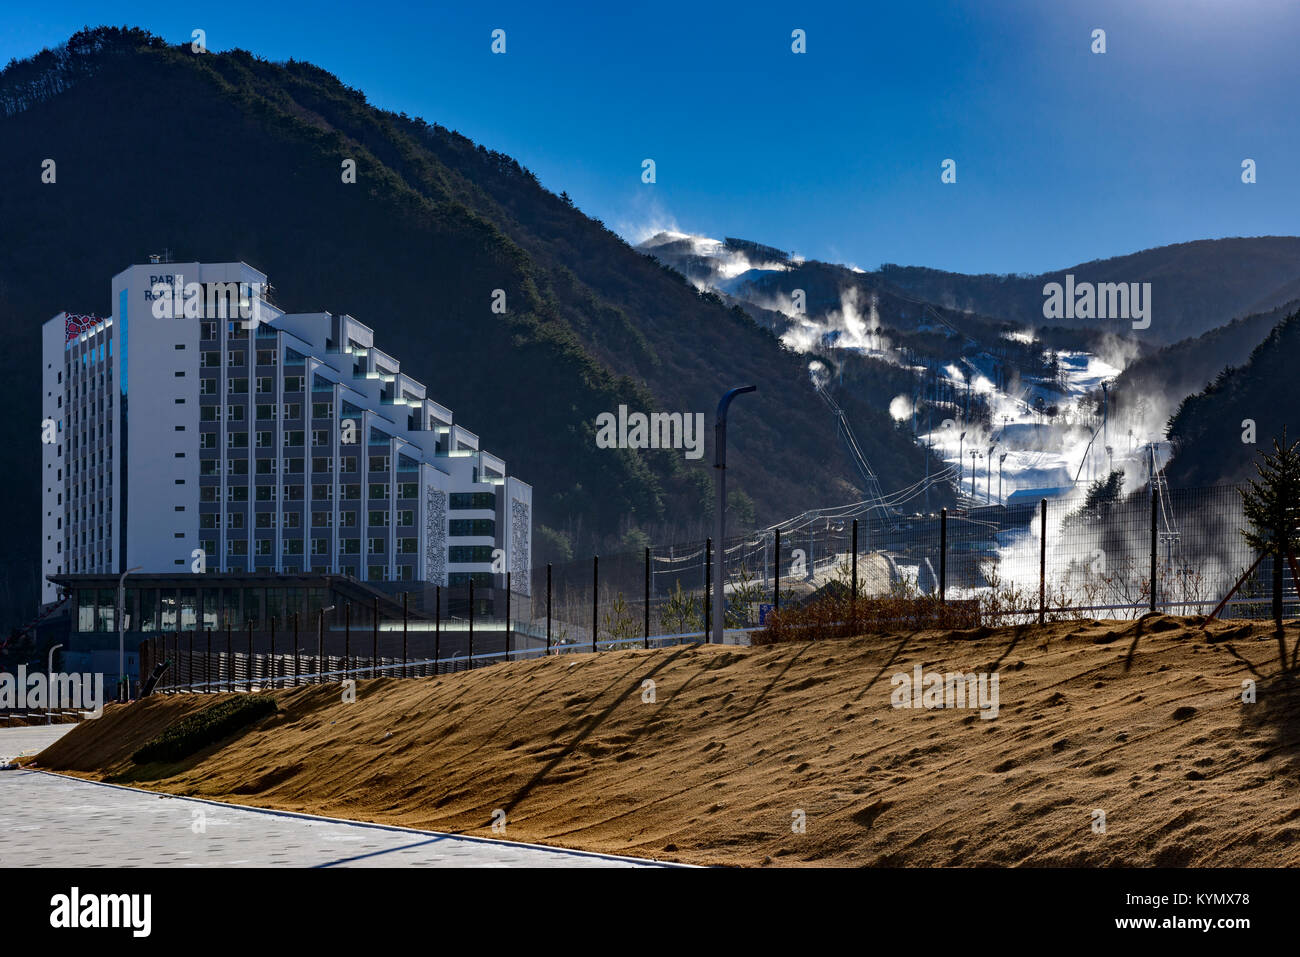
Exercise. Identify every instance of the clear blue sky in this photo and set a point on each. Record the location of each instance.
(1062, 155)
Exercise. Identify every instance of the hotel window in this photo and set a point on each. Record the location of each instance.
(266, 466)
(347, 519)
(406, 517)
(265, 384)
(208, 331)
(210, 413)
(265, 439)
(236, 358)
(321, 519)
(349, 546)
(320, 438)
(376, 573)
(237, 466)
(207, 386)
(237, 440)
(293, 439)
(348, 463)
(293, 493)
(321, 493)
(320, 546)
(210, 493)
(265, 411)
(351, 491)
(293, 410)
(234, 413)
(378, 517)
(292, 520)
(239, 493)
(266, 357)
(264, 520)
(207, 440)
(209, 360)
(293, 546)
(406, 546)
(235, 520)
(237, 386)
(378, 490)
(293, 383)
(266, 493)
(236, 546)
(376, 546)
(209, 520)
(379, 463)
(322, 410)
(322, 465)
(294, 466)
(408, 490)
(263, 546)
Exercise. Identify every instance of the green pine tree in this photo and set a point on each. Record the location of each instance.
(1271, 504)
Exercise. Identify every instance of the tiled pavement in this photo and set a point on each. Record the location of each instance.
(55, 821)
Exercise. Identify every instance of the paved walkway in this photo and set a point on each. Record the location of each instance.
(19, 741)
(55, 821)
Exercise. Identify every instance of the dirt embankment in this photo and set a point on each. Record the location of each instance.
(793, 754)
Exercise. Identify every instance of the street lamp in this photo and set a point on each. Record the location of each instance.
(973, 455)
(988, 487)
(1001, 458)
(960, 439)
(720, 463)
(121, 634)
(50, 685)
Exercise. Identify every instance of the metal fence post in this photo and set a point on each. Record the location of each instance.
(250, 655)
(347, 637)
(548, 608)
(943, 556)
(470, 663)
(437, 627)
(1042, 565)
(855, 562)
(272, 658)
(189, 665)
(508, 616)
(230, 661)
(207, 663)
(1154, 506)
(296, 648)
(708, 586)
(776, 572)
(374, 643)
(646, 626)
(405, 616)
(595, 598)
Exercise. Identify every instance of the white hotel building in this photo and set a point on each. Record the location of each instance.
(287, 443)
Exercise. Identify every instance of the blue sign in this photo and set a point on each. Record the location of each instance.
(763, 609)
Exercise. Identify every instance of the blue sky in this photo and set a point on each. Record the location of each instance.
(1062, 155)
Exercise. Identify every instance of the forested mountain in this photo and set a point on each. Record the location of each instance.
(1209, 427)
(222, 157)
(1195, 286)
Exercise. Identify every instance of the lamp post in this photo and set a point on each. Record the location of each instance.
(988, 477)
(973, 456)
(1001, 458)
(720, 463)
(320, 644)
(123, 686)
(50, 685)
(960, 439)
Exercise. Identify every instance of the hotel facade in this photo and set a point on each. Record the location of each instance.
(200, 429)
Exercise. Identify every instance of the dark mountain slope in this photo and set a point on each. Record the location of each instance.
(1207, 428)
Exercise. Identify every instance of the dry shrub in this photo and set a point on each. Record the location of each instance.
(839, 616)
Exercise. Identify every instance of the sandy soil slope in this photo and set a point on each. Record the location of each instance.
(1141, 720)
